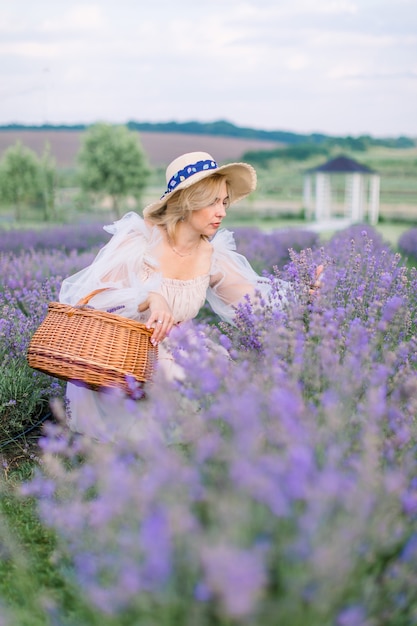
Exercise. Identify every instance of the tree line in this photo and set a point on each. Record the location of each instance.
(223, 128)
(111, 162)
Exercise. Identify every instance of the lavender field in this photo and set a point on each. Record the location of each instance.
(292, 496)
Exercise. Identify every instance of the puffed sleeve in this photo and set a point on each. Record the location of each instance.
(118, 267)
(232, 278)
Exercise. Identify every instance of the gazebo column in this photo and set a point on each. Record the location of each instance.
(308, 197)
(348, 196)
(323, 196)
(374, 199)
(357, 197)
(361, 193)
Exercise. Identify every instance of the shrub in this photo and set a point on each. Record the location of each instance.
(81, 237)
(407, 243)
(113, 162)
(24, 393)
(287, 493)
(33, 264)
(271, 249)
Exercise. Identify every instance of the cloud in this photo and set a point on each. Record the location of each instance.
(83, 17)
(380, 76)
(294, 64)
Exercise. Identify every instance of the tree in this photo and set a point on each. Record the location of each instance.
(19, 177)
(113, 163)
(48, 182)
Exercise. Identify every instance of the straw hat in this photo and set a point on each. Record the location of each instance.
(188, 169)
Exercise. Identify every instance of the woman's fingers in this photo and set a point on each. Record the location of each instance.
(317, 279)
(162, 324)
(319, 275)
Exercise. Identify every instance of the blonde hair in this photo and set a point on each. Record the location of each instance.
(182, 203)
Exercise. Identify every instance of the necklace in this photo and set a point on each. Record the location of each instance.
(187, 253)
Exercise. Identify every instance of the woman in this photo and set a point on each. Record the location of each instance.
(161, 269)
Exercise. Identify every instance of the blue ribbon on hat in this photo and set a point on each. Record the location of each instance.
(188, 171)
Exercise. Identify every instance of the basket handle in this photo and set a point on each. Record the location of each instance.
(88, 297)
(81, 303)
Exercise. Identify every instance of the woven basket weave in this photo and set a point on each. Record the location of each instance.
(97, 348)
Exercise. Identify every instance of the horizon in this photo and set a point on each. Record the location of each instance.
(333, 67)
(77, 125)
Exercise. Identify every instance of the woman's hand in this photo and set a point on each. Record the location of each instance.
(160, 318)
(318, 277)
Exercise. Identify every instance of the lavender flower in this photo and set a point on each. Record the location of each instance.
(278, 479)
(237, 577)
(407, 243)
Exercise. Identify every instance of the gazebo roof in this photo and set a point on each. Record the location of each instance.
(342, 165)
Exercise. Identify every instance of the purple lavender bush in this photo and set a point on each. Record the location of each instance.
(80, 236)
(29, 281)
(25, 273)
(32, 265)
(267, 250)
(24, 392)
(407, 244)
(276, 483)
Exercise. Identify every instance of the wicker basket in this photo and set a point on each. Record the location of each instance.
(96, 348)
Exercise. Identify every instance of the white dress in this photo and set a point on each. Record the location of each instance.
(127, 268)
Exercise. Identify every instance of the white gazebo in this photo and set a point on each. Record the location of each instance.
(342, 188)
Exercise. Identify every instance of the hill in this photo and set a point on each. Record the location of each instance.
(160, 147)
(164, 141)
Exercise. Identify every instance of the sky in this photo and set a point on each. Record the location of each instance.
(339, 67)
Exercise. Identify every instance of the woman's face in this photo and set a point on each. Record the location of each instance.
(207, 220)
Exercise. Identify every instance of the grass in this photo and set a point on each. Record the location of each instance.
(30, 581)
(31, 586)
(26, 572)
(280, 184)
(390, 231)
(397, 168)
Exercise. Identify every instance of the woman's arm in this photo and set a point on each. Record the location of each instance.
(233, 279)
(117, 268)
(160, 318)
